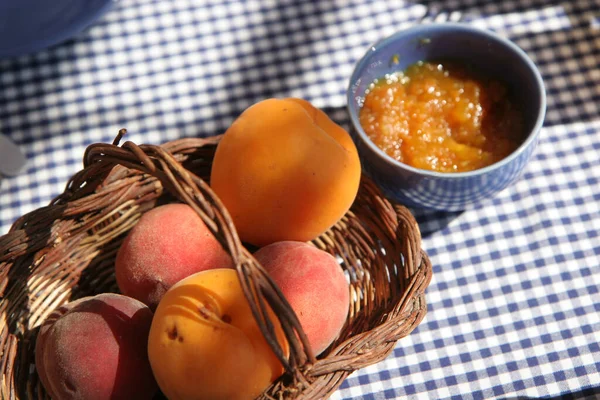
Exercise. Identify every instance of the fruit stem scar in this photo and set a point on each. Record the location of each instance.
(205, 311)
(208, 313)
(70, 386)
(172, 333)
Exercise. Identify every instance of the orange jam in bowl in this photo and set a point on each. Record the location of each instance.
(442, 117)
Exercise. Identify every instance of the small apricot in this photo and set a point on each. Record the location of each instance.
(205, 344)
(285, 171)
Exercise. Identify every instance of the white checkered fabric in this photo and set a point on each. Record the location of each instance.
(514, 304)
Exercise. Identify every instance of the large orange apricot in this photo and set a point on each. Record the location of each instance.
(285, 171)
(205, 344)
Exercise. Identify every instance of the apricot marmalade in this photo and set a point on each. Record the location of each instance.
(441, 117)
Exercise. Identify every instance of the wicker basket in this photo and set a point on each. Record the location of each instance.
(66, 251)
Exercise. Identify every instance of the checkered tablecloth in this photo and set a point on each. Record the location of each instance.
(514, 304)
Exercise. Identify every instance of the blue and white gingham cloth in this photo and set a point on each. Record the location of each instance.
(514, 305)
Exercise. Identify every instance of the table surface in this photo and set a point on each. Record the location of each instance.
(514, 304)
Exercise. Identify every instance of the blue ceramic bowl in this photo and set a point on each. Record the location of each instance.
(485, 52)
(28, 26)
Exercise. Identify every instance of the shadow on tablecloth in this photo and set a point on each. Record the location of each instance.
(562, 38)
(588, 393)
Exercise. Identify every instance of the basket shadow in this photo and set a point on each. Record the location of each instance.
(432, 221)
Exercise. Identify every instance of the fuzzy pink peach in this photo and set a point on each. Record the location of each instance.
(96, 349)
(169, 243)
(315, 286)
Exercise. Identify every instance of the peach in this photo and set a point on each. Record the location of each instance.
(315, 286)
(42, 335)
(95, 348)
(169, 243)
(205, 344)
(285, 171)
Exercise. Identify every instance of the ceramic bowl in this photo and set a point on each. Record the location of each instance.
(486, 52)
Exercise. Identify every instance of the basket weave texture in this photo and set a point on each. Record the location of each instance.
(66, 250)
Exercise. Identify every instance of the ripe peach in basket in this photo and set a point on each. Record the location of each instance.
(315, 286)
(285, 171)
(169, 243)
(205, 344)
(95, 349)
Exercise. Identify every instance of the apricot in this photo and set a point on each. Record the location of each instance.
(169, 243)
(205, 344)
(315, 286)
(95, 349)
(285, 171)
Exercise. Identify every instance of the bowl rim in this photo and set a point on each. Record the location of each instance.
(531, 138)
